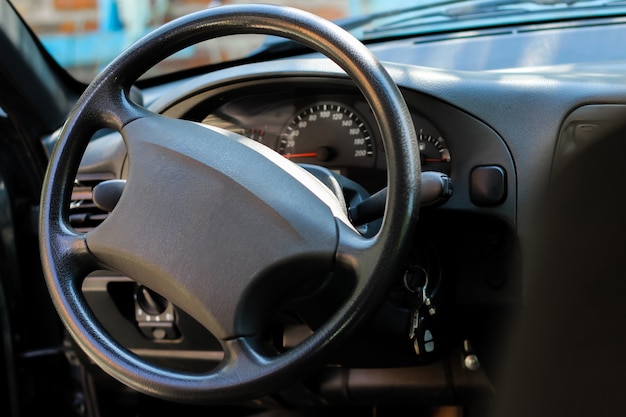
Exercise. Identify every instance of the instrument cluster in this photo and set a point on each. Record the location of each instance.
(337, 131)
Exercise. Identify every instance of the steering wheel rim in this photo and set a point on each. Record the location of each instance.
(68, 256)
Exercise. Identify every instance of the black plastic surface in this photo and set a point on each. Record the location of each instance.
(488, 185)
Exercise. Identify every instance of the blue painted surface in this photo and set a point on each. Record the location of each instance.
(89, 48)
(109, 16)
(100, 47)
(93, 48)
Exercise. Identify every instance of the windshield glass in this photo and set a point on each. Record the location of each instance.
(84, 35)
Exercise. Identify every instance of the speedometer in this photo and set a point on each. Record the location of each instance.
(328, 134)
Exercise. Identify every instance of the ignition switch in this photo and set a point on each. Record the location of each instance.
(155, 315)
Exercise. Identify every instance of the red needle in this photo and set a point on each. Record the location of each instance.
(300, 155)
(435, 160)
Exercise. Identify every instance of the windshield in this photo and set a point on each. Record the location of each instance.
(84, 35)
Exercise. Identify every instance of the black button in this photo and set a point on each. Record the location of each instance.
(488, 185)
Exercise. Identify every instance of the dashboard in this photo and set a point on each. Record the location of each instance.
(466, 244)
(494, 134)
(192, 206)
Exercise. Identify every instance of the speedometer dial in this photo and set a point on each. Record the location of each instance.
(328, 134)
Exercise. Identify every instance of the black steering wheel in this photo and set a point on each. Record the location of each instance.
(220, 225)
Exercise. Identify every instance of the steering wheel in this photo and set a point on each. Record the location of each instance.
(220, 225)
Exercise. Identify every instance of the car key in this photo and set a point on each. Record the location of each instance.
(421, 323)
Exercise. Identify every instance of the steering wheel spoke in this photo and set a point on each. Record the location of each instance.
(70, 250)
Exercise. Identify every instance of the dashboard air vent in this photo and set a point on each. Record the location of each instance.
(84, 215)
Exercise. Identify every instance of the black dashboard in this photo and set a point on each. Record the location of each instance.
(254, 237)
(465, 249)
(494, 134)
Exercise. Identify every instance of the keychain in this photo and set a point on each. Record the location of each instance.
(421, 322)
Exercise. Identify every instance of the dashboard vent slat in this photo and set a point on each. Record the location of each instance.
(84, 215)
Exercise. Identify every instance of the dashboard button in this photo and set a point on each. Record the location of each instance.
(488, 185)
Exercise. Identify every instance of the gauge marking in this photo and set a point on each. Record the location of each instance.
(328, 133)
(434, 153)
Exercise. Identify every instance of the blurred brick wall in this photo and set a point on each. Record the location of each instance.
(82, 35)
(67, 16)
